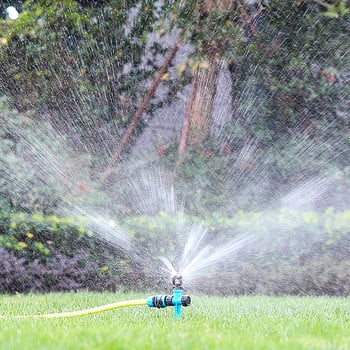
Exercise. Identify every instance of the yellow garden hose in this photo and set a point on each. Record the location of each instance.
(94, 310)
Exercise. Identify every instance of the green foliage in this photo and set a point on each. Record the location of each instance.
(267, 224)
(290, 86)
(291, 251)
(83, 65)
(38, 237)
(335, 10)
(244, 171)
(52, 253)
(38, 169)
(289, 95)
(297, 72)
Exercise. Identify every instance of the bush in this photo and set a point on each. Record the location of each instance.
(290, 252)
(60, 273)
(47, 253)
(287, 252)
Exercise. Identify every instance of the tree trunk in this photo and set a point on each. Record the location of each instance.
(198, 119)
(201, 106)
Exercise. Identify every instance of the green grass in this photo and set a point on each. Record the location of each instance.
(209, 323)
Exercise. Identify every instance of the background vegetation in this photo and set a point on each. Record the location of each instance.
(74, 77)
(42, 253)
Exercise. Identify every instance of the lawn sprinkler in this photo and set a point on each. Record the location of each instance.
(177, 299)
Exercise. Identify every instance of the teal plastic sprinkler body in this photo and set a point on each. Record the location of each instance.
(177, 299)
(177, 303)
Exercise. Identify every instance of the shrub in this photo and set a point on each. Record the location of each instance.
(12, 272)
(41, 253)
(291, 252)
(60, 273)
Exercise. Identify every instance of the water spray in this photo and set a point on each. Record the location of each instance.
(177, 299)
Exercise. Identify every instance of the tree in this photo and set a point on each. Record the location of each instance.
(296, 71)
(292, 88)
(83, 67)
(209, 27)
(257, 45)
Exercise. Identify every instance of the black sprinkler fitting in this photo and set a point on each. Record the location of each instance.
(161, 301)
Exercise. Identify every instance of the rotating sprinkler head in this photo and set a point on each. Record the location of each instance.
(177, 299)
(177, 281)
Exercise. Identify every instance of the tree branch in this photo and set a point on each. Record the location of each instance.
(248, 20)
(144, 103)
(322, 3)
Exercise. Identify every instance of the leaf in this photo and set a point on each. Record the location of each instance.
(165, 76)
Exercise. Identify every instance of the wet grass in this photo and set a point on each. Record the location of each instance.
(209, 323)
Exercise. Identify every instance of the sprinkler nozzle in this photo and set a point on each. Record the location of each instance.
(177, 281)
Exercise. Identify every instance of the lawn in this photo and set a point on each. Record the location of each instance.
(252, 322)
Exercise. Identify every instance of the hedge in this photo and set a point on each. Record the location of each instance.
(48, 253)
(287, 252)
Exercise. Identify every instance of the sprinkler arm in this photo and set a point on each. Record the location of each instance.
(177, 300)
